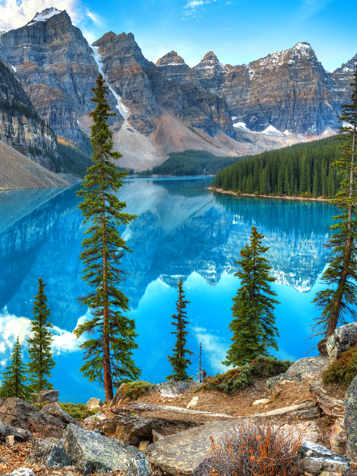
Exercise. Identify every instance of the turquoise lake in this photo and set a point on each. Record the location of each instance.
(183, 231)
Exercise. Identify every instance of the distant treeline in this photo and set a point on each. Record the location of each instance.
(191, 162)
(302, 169)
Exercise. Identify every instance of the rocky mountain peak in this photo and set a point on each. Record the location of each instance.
(171, 58)
(209, 58)
(44, 15)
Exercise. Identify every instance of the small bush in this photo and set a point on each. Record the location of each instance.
(254, 448)
(343, 370)
(134, 390)
(242, 377)
(79, 411)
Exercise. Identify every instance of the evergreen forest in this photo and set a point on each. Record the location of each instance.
(299, 170)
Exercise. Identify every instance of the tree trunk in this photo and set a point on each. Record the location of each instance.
(108, 385)
(334, 317)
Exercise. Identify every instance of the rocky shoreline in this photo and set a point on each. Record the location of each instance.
(302, 199)
(170, 429)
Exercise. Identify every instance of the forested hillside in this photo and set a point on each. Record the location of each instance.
(302, 169)
(191, 162)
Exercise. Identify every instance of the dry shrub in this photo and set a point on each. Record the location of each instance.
(343, 370)
(254, 448)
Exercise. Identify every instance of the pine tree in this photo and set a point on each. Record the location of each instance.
(41, 358)
(109, 348)
(178, 361)
(340, 297)
(13, 383)
(253, 323)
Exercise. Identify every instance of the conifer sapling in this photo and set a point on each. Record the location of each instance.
(253, 323)
(41, 358)
(14, 378)
(178, 360)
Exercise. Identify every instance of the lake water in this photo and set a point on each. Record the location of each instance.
(182, 231)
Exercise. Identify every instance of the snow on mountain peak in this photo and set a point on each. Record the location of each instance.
(44, 15)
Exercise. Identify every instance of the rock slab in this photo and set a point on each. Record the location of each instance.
(49, 453)
(18, 433)
(55, 410)
(185, 451)
(16, 412)
(50, 396)
(316, 458)
(351, 420)
(94, 453)
(341, 340)
(94, 403)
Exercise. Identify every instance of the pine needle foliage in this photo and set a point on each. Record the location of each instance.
(178, 361)
(40, 355)
(14, 378)
(340, 297)
(253, 323)
(110, 333)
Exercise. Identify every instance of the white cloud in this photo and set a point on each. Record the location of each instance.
(214, 349)
(194, 3)
(15, 14)
(12, 327)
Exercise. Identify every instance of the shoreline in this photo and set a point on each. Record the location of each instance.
(301, 199)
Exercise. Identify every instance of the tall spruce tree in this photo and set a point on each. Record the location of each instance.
(253, 323)
(41, 358)
(14, 379)
(178, 360)
(108, 351)
(340, 276)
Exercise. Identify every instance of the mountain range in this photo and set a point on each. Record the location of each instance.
(49, 70)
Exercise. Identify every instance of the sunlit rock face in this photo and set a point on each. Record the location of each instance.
(289, 90)
(20, 125)
(181, 229)
(55, 65)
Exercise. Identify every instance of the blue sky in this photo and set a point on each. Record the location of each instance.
(238, 31)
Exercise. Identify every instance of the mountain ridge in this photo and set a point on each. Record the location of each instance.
(276, 101)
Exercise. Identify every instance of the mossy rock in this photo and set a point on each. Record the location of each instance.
(134, 390)
(241, 377)
(343, 370)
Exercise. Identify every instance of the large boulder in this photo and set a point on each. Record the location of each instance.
(173, 389)
(55, 410)
(305, 369)
(48, 452)
(316, 458)
(18, 433)
(95, 453)
(15, 412)
(342, 339)
(351, 420)
(184, 452)
(50, 396)
(132, 429)
(94, 403)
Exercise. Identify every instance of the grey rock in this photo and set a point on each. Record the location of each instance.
(309, 367)
(184, 452)
(316, 458)
(91, 452)
(350, 422)
(94, 403)
(19, 414)
(50, 396)
(18, 433)
(48, 452)
(55, 410)
(172, 389)
(21, 472)
(341, 340)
